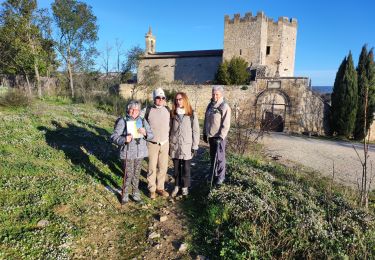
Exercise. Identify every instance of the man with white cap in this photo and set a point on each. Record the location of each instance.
(215, 131)
(158, 116)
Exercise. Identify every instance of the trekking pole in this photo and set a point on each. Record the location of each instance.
(214, 168)
(124, 178)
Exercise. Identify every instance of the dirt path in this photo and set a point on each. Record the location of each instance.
(168, 233)
(319, 155)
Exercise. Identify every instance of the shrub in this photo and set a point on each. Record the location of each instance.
(233, 72)
(270, 212)
(112, 104)
(15, 98)
(170, 94)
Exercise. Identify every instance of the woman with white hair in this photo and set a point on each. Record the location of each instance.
(130, 134)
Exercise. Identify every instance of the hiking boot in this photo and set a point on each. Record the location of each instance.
(162, 193)
(185, 191)
(125, 199)
(137, 197)
(152, 195)
(175, 191)
(219, 182)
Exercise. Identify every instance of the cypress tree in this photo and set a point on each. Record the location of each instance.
(366, 88)
(336, 97)
(359, 133)
(370, 71)
(344, 98)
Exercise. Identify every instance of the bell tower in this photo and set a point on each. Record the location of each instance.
(150, 42)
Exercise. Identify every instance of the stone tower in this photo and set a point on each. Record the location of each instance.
(266, 45)
(150, 42)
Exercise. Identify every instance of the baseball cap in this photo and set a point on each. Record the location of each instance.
(159, 92)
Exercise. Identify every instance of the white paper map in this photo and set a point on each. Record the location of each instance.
(131, 128)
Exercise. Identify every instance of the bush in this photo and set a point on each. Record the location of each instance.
(264, 211)
(15, 98)
(233, 72)
(113, 104)
(170, 94)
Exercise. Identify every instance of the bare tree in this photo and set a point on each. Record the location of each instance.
(150, 78)
(367, 176)
(119, 54)
(245, 131)
(106, 56)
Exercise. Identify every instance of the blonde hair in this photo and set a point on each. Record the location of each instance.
(187, 106)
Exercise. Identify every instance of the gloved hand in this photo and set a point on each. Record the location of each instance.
(218, 140)
(205, 139)
(194, 152)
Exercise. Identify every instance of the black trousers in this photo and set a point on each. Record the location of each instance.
(182, 172)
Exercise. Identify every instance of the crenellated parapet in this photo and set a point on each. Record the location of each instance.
(260, 16)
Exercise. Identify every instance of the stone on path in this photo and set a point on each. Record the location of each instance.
(163, 218)
(42, 223)
(153, 235)
(183, 247)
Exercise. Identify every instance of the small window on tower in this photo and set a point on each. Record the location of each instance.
(240, 52)
(268, 51)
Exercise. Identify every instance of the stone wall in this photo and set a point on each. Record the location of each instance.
(190, 70)
(372, 131)
(281, 38)
(199, 95)
(242, 38)
(290, 98)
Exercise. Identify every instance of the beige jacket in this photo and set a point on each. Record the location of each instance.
(183, 137)
(216, 123)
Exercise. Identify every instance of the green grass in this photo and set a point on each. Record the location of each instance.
(265, 210)
(57, 164)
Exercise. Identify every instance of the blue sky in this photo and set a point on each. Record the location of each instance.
(327, 30)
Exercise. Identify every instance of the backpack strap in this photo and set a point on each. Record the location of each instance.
(221, 108)
(148, 109)
(147, 113)
(192, 120)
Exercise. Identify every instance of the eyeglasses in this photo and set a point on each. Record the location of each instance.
(163, 98)
(178, 99)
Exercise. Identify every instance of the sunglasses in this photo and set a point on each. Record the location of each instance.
(178, 99)
(163, 98)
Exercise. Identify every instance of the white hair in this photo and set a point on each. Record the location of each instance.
(219, 88)
(133, 104)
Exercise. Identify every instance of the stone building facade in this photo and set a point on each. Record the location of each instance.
(268, 47)
(274, 99)
(262, 42)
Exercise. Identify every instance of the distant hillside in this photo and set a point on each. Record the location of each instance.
(322, 89)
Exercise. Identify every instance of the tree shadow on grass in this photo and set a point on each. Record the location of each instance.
(78, 143)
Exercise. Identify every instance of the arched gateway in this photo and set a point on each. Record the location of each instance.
(272, 109)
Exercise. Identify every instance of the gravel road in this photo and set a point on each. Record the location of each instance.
(320, 155)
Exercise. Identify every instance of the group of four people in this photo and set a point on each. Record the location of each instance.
(158, 132)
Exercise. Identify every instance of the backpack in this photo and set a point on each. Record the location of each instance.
(219, 108)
